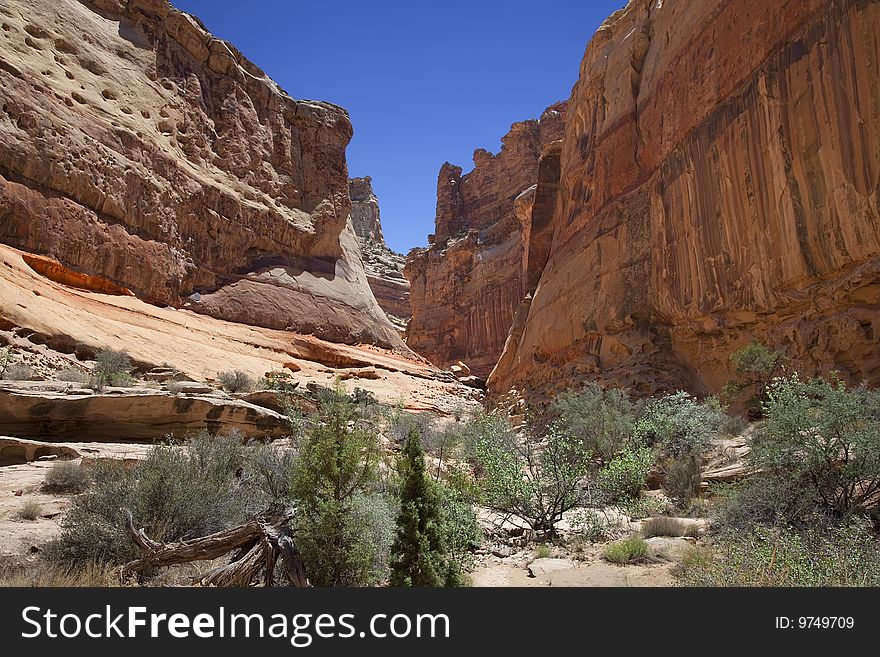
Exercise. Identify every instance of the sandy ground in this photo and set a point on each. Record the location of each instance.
(591, 571)
(18, 536)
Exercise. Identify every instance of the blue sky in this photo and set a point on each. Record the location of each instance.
(424, 82)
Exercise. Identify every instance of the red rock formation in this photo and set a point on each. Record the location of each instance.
(384, 267)
(136, 147)
(467, 284)
(719, 183)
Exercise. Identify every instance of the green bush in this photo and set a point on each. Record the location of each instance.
(679, 423)
(112, 368)
(236, 381)
(337, 464)
(627, 550)
(66, 477)
(754, 366)
(823, 440)
(849, 555)
(683, 477)
(602, 419)
(537, 482)
(625, 475)
(175, 493)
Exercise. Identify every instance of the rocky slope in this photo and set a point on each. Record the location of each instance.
(467, 284)
(137, 149)
(718, 184)
(384, 267)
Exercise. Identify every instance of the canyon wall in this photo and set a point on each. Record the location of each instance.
(718, 184)
(137, 148)
(467, 284)
(384, 267)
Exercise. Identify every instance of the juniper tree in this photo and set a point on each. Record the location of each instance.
(417, 555)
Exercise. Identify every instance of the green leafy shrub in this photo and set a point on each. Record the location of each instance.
(678, 423)
(625, 475)
(112, 368)
(537, 482)
(30, 510)
(602, 419)
(846, 556)
(627, 550)
(824, 440)
(754, 366)
(683, 477)
(236, 381)
(66, 477)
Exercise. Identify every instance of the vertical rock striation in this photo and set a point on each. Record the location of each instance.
(467, 284)
(384, 267)
(720, 182)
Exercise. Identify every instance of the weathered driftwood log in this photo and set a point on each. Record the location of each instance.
(258, 544)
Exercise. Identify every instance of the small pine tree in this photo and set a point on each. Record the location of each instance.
(336, 466)
(417, 557)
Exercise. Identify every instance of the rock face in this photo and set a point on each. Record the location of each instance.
(138, 149)
(467, 284)
(384, 267)
(719, 184)
(130, 415)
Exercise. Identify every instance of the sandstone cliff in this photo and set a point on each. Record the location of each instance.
(384, 267)
(467, 284)
(719, 183)
(137, 148)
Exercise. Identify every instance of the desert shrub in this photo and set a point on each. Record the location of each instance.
(602, 419)
(625, 475)
(482, 428)
(754, 366)
(667, 526)
(824, 440)
(461, 534)
(375, 511)
(66, 477)
(592, 525)
(236, 381)
(678, 423)
(683, 477)
(627, 550)
(337, 463)
(270, 469)
(18, 372)
(764, 556)
(42, 573)
(30, 510)
(732, 425)
(72, 375)
(645, 506)
(175, 493)
(112, 368)
(543, 551)
(537, 482)
(5, 360)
